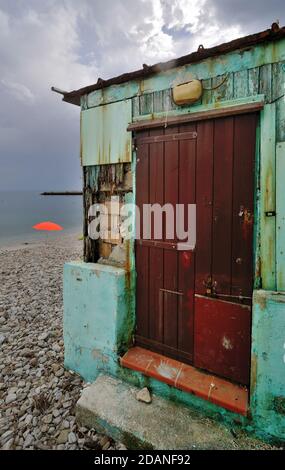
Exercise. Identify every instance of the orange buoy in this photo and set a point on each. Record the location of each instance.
(49, 226)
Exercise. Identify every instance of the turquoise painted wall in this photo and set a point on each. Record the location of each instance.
(98, 317)
(268, 363)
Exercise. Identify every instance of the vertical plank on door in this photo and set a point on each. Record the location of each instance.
(222, 208)
(186, 271)
(243, 196)
(142, 292)
(142, 176)
(156, 195)
(155, 294)
(204, 201)
(170, 300)
(186, 265)
(171, 175)
(187, 170)
(156, 173)
(142, 253)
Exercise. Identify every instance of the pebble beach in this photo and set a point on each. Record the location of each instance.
(37, 396)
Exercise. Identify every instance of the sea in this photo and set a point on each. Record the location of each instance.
(21, 210)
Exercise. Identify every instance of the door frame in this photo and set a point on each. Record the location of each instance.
(264, 274)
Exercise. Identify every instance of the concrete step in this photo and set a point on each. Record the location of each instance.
(110, 406)
(220, 391)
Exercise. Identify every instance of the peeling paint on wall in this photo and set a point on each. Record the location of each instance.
(104, 135)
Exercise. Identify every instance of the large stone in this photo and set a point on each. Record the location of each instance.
(144, 395)
(111, 407)
(44, 336)
(2, 339)
(8, 445)
(72, 438)
(47, 419)
(28, 441)
(10, 398)
(63, 436)
(6, 436)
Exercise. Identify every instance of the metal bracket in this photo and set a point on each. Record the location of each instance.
(270, 213)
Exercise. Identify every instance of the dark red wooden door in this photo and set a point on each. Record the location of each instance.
(211, 164)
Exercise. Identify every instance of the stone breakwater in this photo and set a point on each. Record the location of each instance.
(37, 396)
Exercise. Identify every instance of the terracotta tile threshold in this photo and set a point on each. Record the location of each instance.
(185, 377)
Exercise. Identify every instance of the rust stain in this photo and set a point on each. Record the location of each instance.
(127, 151)
(128, 267)
(270, 245)
(141, 86)
(269, 205)
(97, 354)
(109, 153)
(260, 299)
(103, 96)
(258, 268)
(253, 373)
(247, 223)
(186, 259)
(97, 273)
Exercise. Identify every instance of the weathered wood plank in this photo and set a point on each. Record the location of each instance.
(278, 90)
(265, 82)
(136, 106)
(158, 105)
(267, 198)
(280, 217)
(146, 103)
(168, 103)
(225, 88)
(253, 81)
(241, 84)
(207, 92)
(196, 116)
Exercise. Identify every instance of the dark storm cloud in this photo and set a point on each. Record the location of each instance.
(69, 44)
(252, 15)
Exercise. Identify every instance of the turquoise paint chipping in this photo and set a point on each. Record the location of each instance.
(98, 317)
(268, 363)
(104, 136)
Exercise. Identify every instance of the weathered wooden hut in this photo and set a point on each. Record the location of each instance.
(206, 326)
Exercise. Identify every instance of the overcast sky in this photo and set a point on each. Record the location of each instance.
(69, 44)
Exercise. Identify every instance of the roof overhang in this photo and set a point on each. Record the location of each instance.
(268, 35)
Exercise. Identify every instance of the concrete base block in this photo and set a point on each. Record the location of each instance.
(98, 317)
(111, 407)
(268, 363)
